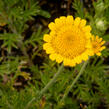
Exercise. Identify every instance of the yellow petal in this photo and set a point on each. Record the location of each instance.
(52, 33)
(88, 35)
(102, 42)
(87, 28)
(52, 56)
(72, 63)
(45, 46)
(49, 50)
(69, 62)
(102, 48)
(97, 38)
(92, 37)
(59, 59)
(100, 39)
(57, 22)
(66, 62)
(99, 54)
(47, 38)
(82, 23)
(70, 19)
(78, 59)
(85, 57)
(51, 26)
(63, 18)
(90, 52)
(77, 21)
(88, 44)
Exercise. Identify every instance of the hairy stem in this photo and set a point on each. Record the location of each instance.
(73, 83)
(50, 83)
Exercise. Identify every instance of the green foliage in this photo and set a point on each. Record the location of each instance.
(9, 66)
(9, 41)
(11, 99)
(78, 6)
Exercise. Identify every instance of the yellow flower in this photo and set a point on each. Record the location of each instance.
(97, 45)
(68, 41)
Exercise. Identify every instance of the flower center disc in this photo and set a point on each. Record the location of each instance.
(69, 42)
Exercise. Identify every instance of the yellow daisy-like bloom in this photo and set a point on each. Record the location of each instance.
(68, 41)
(97, 45)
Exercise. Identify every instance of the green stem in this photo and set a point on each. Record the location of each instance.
(52, 81)
(75, 80)
(46, 87)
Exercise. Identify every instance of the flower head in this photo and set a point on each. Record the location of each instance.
(68, 41)
(97, 45)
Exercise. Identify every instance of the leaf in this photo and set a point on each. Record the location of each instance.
(10, 40)
(25, 75)
(78, 6)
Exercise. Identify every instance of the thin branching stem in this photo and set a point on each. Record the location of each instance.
(73, 83)
(46, 87)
